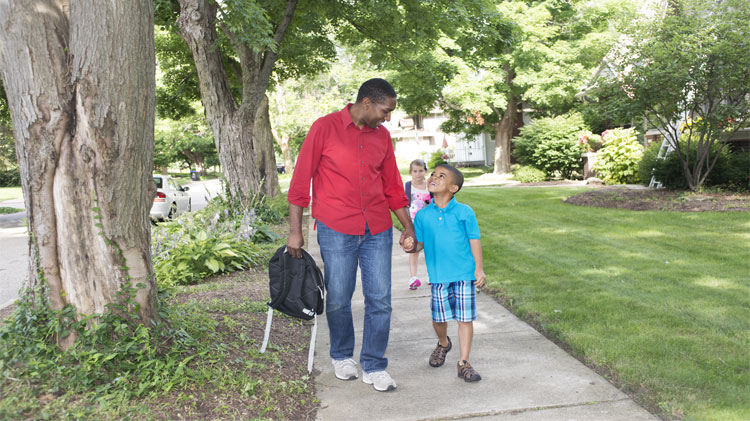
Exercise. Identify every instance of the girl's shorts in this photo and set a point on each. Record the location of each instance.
(454, 301)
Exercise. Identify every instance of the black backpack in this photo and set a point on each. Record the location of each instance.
(297, 289)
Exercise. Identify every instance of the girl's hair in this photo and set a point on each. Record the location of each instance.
(417, 163)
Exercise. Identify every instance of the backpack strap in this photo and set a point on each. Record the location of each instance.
(285, 282)
(311, 351)
(269, 319)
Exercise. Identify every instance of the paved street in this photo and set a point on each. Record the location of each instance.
(14, 239)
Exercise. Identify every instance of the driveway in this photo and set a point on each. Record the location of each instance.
(14, 239)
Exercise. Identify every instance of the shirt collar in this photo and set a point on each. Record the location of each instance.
(346, 118)
(452, 204)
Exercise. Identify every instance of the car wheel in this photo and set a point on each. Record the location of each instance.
(172, 212)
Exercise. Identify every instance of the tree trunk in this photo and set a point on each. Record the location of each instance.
(242, 133)
(83, 115)
(286, 152)
(263, 140)
(504, 128)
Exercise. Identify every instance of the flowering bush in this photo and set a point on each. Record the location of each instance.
(618, 159)
(438, 157)
(589, 141)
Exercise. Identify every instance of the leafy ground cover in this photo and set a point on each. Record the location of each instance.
(7, 210)
(202, 363)
(655, 300)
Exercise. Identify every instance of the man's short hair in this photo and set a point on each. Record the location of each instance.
(456, 176)
(377, 90)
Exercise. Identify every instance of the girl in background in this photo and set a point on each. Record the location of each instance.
(419, 197)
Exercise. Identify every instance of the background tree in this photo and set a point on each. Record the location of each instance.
(245, 37)
(690, 73)
(297, 103)
(83, 110)
(488, 56)
(187, 141)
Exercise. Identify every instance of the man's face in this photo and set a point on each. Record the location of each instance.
(441, 180)
(378, 113)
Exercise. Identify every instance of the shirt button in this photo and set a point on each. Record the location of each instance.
(360, 146)
(363, 194)
(361, 162)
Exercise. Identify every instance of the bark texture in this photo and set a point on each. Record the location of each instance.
(242, 132)
(80, 85)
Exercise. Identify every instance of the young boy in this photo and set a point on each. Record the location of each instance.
(449, 234)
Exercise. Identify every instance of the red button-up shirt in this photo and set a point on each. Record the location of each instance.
(355, 178)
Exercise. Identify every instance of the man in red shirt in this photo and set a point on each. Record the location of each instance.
(349, 157)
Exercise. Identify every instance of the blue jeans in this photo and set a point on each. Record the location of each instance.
(342, 253)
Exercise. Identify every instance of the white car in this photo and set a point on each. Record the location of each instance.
(170, 201)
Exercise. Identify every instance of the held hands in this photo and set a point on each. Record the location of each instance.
(480, 277)
(408, 244)
(407, 241)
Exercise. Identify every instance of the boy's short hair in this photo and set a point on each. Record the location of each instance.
(457, 176)
(377, 90)
(417, 163)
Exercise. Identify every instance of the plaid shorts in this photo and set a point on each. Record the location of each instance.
(454, 301)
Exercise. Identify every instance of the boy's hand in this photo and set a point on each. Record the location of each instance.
(408, 244)
(480, 277)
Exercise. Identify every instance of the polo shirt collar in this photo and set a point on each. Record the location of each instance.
(452, 204)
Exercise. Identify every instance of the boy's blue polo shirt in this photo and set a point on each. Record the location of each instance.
(446, 233)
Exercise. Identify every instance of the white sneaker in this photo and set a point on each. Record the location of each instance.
(380, 380)
(345, 369)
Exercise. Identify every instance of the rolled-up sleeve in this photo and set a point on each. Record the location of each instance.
(393, 185)
(306, 166)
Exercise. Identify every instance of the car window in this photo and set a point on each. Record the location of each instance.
(173, 185)
(157, 180)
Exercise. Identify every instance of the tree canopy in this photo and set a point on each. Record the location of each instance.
(689, 73)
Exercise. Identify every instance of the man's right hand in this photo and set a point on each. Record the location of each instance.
(294, 241)
(294, 245)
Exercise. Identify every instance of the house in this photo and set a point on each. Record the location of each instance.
(418, 136)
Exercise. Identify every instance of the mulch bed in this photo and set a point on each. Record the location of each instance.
(665, 200)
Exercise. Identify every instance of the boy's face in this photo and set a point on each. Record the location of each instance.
(417, 172)
(441, 181)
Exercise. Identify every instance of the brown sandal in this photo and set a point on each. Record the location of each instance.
(467, 372)
(438, 355)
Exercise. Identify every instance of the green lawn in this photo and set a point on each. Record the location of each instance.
(658, 299)
(9, 193)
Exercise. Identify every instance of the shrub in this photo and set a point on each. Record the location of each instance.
(617, 161)
(10, 177)
(737, 172)
(648, 163)
(551, 145)
(528, 174)
(732, 170)
(438, 157)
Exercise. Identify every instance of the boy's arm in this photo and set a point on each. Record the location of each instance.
(476, 251)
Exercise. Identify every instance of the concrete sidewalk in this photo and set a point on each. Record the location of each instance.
(524, 375)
